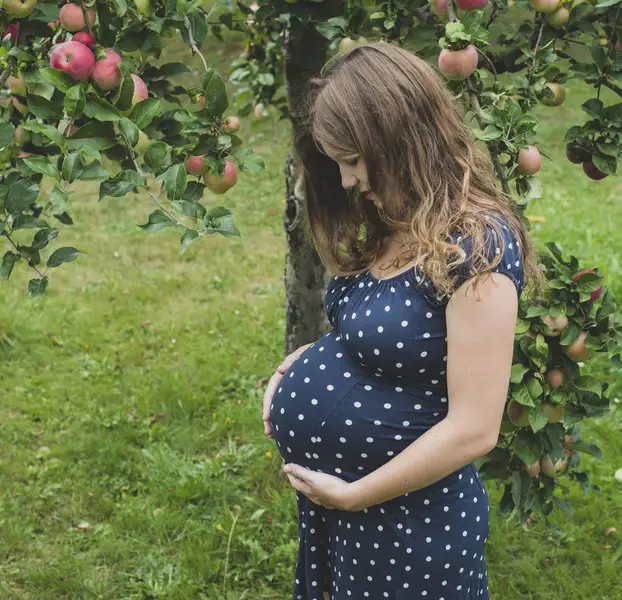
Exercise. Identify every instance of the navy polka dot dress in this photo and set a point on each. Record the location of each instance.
(354, 399)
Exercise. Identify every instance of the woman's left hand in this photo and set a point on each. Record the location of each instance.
(323, 489)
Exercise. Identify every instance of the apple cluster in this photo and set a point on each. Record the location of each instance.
(197, 165)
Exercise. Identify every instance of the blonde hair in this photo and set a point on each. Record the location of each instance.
(393, 109)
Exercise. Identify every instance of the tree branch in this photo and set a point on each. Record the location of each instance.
(612, 86)
(12, 61)
(86, 18)
(193, 44)
(425, 16)
(451, 9)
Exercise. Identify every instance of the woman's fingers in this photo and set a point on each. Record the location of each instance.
(267, 402)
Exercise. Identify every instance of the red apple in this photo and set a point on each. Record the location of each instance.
(12, 30)
(231, 125)
(555, 378)
(73, 58)
(17, 85)
(219, 185)
(439, 7)
(559, 18)
(106, 73)
(458, 64)
(554, 325)
(544, 6)
(596, 294)
(575, 154)
(19, 8)
(259, 108)
(618, 46)
(23, 154)
(84, 37)
(577, 351)
(529, 160)
(140, 90)
(21, 135)
(471, 4)
(534, 470)
(517, 413)
(72, 17)
(592, 171)
(195, 165)
(559, 95)
(554, 412)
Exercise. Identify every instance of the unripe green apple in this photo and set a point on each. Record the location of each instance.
(145, 7)
(19, 8)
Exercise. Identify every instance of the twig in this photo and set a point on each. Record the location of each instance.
(451, 10)
(86, 17)
(425, 16)
(193, 44)
(8, 236)
(224, 579)
(165, 210)
(493, 15)
(9, 69)
(535, 50)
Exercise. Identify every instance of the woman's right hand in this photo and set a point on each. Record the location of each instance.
(273, 384)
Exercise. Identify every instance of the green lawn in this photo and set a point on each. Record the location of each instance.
(132, 397)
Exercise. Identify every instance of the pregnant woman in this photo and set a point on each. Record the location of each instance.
(379, 421)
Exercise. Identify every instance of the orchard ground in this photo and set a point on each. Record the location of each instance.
(130, 423)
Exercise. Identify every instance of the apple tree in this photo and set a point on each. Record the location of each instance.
(502, 59)
(85, 102)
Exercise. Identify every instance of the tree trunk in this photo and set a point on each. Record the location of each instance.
(305, 275)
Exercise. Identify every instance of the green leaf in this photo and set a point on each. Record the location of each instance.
(21, 195)
(589, 384)
(42, 164)
(223, 226)
(248, 161)
(216, 101)
(47, 130)
(605, 164)
(587, 448)
(599, 54)
(536, 311)
(93, 173)
(129, 130)
(564, 505)
(7, 133)
(71, 167)
(121, 7)
(157, 221)
(100, 109)
(9, 260)
(517, 373)
(37, 287)
(144, 112)
(173, 68)
(58, 78)
(63, 255)
(175, 181)
(534, 387)
(28, 222)
(537, 419)
(522, 396)
(42, 108)
(126, 91)
(527, 446)
(156, 155)
(75, 101)
(188, 236)
(569, 334)
(96, 135)
(43, 237)
(606, 3)
(124, 182)
(491, 132)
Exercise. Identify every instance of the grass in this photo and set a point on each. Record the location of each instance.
(132, 403)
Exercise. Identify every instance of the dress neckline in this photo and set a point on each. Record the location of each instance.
(394, 277)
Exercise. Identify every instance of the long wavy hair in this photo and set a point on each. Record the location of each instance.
(394, 110)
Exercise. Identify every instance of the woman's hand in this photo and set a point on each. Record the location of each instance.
(321, 488)
(273, 384)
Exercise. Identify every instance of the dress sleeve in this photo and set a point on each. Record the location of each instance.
(511, 264)
(508, 247)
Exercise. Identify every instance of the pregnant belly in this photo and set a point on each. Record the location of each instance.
(331, 415)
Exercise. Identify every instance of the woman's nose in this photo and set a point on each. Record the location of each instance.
(348, 180)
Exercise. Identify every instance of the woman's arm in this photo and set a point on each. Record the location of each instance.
(480, 344)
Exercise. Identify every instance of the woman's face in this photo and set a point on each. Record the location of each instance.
(354, 174)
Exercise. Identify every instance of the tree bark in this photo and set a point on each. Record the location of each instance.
(305, 275)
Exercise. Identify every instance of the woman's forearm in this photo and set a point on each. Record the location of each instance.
(439, 452)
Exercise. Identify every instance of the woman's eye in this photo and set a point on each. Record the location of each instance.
(352, 162)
